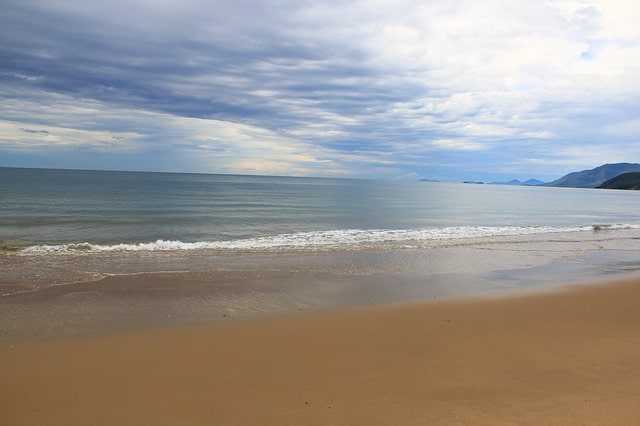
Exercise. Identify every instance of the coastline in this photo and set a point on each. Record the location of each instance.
(562, 357)
(125, 291)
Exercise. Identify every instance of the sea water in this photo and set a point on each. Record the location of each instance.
(66, 211)
(290, 241)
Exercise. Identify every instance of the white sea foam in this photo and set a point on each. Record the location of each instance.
(336, 239)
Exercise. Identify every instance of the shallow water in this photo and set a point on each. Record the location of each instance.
(179, 288)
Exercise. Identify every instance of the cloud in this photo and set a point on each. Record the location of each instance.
(63, 138)
(458, 144)
(363, 88)
(46, 132)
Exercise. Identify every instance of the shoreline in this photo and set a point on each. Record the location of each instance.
(177, 289)
(564, 356)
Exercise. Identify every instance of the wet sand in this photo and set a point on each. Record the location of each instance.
(562, 357)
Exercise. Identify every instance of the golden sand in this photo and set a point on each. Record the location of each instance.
(563, 358)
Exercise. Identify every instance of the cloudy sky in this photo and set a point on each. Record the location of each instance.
(448, 90)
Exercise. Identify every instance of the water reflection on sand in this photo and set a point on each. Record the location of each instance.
(77, 294)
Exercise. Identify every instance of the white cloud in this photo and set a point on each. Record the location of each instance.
(458, 144)
(619, 18)
(206, 145)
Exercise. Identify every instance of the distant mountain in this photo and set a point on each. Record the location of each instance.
(530, 182)
(623, 181)
(533, 182)
(594, 177)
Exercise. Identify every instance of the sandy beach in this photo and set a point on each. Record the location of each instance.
(562, 357)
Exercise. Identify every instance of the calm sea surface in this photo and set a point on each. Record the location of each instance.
(259, 244)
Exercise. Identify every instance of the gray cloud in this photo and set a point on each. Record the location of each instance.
(402, 87)
(34, 131)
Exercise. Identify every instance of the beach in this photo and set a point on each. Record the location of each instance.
(570, 355)
(181, 299)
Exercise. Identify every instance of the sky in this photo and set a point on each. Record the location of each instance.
(402, 89)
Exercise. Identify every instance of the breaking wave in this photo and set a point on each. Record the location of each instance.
(326, 240)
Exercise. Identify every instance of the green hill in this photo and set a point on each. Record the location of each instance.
(623, 181)
(595, 177)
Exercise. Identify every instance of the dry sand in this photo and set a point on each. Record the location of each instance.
(565, 358)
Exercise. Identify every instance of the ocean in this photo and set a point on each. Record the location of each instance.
(254, 244)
